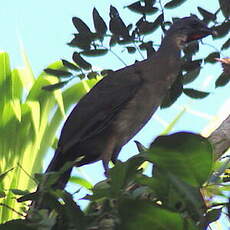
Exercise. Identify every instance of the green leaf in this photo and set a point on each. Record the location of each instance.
(186, 155)
(3, 175)
(142, 215)
(80, 26)
(94, 52)
(222, 80)
(211, 57)
(195, 93)
(99, 23)
(56, 86)
(80, 61)
(58, 73)
(173, 4)
(81, 181)
(92, 75)
(70, 65)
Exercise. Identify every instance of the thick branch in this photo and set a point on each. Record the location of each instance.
(220, 138)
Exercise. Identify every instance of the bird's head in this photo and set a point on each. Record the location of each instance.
(189, 29)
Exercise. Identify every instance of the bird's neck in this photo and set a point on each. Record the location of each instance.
(172, 44)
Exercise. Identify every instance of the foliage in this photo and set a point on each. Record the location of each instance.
(183, 173)
(30, 117)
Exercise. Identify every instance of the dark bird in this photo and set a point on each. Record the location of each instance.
(118, 106)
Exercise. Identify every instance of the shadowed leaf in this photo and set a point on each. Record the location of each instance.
(173, 4)
(195, 93)
(80, 61)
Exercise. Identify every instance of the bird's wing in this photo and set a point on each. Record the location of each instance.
(100, 105)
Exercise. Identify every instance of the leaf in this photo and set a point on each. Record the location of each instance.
(212, 216)
(95, 52)
(80, 61)
(81, 40)
(225, 7)
(92, 75)
(138, 8)
(222, 30)
(211, 57)
(70, 65)
(195, 93)
(99, 23)
(58, 73)
(138, 215)
(148, 46)
(81, 181)
(173, 93)
(80, 26)
(222, 80)
(226, 45)
(3, 175)
(19, 192)
(190, 76)
(173, 4)
(55, 86)
(207, 16)
(191, 65)
(116, 24)
(187, 156)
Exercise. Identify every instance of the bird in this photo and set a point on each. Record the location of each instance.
(120, 104)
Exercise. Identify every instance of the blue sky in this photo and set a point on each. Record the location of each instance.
(45, 27)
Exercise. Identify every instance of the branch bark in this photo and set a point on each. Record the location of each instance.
(220, 138)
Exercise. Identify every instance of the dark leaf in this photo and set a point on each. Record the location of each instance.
(92, 75)
(113, 40)
(116, 24)
(81, 41)
(191, 76)
(15, 225)
(58, 73)
(70, 65)
(138, 8)
(2, 194)
(191, 65)
(99, 23)
(148, 46)
(225, 7)
(19, 192)
(106, 72)
(226, 45)
(173, 93)
(207, 16)
(95, 52)
(211, 57)
(173, 4)
(195, 93)
(222, 80)
(146, 27)
(131, 49)
(212, 216)
(55, 86)
(80, 26)
(222, 30)
(80, 61)
(81, 76)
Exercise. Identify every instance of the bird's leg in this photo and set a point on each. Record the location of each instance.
(107, 154)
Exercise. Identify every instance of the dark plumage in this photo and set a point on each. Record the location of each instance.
(118, 106)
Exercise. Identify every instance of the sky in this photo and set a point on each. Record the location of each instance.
(45, 27)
